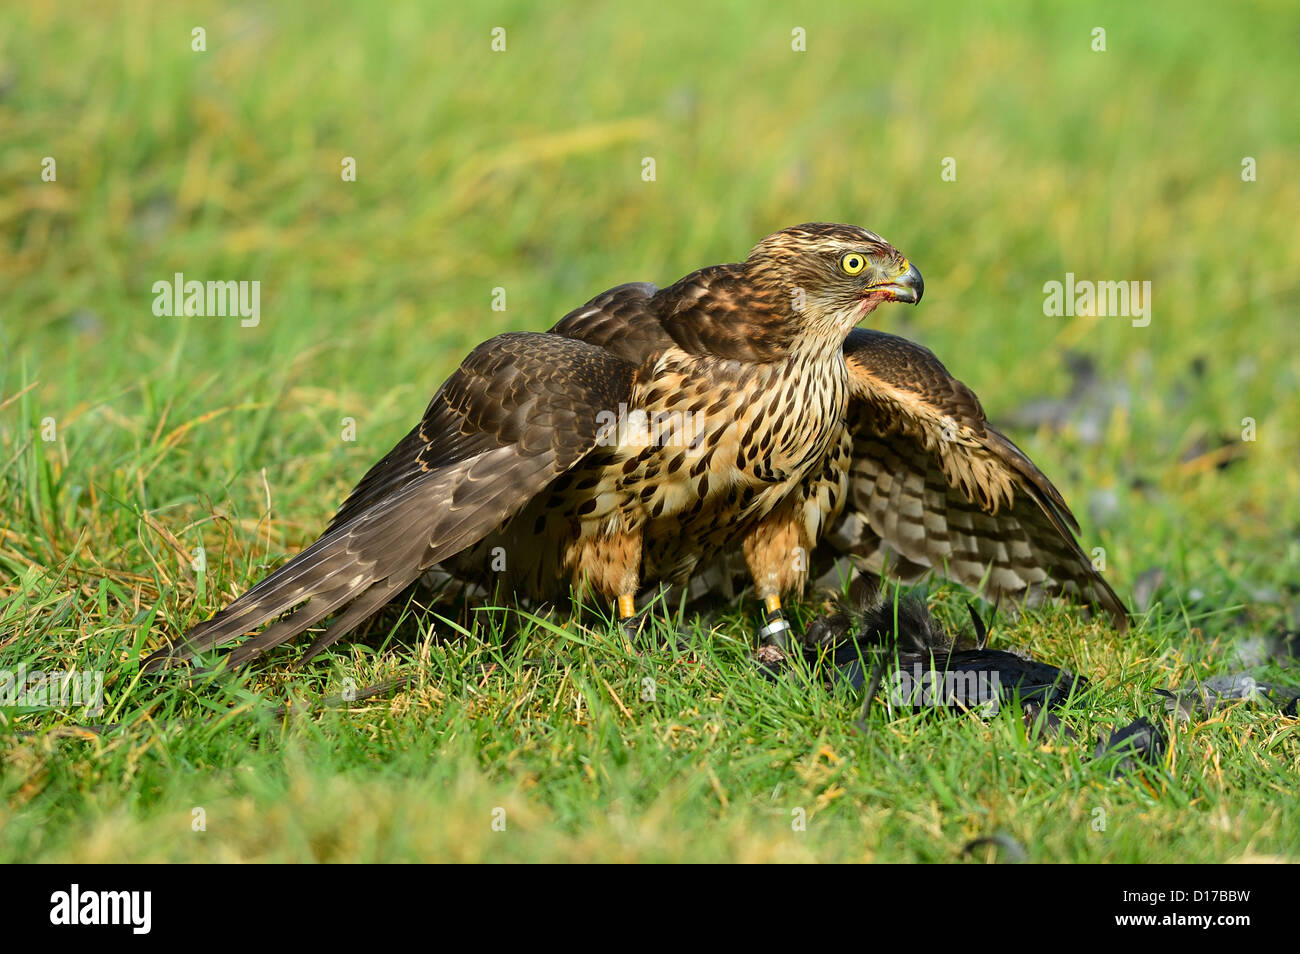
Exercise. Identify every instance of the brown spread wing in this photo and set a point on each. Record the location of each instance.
(933, 486)
(521, 410)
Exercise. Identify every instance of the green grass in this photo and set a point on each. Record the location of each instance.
(523, 170)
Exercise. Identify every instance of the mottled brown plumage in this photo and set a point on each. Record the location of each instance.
(934, 487)
(653, 430)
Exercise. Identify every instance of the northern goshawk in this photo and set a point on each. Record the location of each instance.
(654, 430)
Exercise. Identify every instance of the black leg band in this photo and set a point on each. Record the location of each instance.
(776, 628)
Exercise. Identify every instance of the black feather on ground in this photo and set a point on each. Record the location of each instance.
(924, 667)
(1141, 743)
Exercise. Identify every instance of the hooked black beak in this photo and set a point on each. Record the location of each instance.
(907, 287)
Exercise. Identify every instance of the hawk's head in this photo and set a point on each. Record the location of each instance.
(834, 272)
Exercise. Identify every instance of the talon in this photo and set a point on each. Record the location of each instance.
(635, 626)
(640, 634)
(771, 662)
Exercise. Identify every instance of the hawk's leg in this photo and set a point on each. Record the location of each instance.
(608, 565)
(776, 625)
(777, 555)
(628, 620)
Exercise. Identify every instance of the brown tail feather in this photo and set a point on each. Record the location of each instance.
(521, 409)
(316, 609)
(360, 610)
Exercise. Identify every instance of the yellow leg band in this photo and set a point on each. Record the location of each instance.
(772, 604)
(626, 606)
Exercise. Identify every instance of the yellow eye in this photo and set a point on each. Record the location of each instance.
(853, 263)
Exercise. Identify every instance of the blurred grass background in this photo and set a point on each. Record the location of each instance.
(522, 169)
